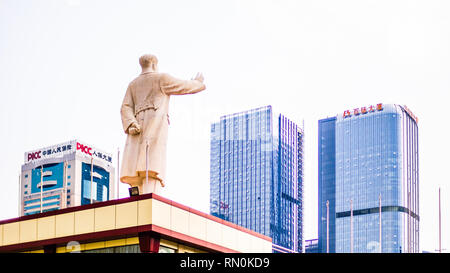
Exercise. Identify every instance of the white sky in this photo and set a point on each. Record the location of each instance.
(65, 66)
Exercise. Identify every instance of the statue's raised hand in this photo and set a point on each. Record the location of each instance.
(199, 77)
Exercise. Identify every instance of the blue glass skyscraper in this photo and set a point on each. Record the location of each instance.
(256, 175)
(327, 184)
(369, 171)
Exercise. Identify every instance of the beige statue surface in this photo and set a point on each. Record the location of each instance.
(145, 120)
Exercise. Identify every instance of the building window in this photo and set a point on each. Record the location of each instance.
(127, 249)
(165, 249)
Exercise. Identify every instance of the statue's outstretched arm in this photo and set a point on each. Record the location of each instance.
(173, 86)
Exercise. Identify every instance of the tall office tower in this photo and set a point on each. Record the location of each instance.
(369, 171)
(257, 175)
(65, 175)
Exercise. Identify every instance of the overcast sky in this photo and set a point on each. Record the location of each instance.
(65, 66)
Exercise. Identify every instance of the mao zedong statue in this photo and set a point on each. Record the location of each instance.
(145, 120)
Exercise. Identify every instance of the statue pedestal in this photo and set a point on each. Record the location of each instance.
(152, 186)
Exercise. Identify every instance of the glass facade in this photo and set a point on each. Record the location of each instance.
(51, 177)
(100, 184)
(373, 175)
(327, 184)
(256, 175)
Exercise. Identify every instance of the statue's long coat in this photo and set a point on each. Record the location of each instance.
(147, 103)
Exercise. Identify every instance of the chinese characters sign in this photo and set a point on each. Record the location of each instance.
(66, 148)
(52, 151)
(363, 110)
(94, 153)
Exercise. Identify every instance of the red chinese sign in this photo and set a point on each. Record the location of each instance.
(363, 110)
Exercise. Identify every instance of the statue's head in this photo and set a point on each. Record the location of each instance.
(149, 62)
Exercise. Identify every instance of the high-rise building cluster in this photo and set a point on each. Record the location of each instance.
(368, 178)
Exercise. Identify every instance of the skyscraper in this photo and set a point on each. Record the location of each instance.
(369, 170)
(257, 175)
(65, 175)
